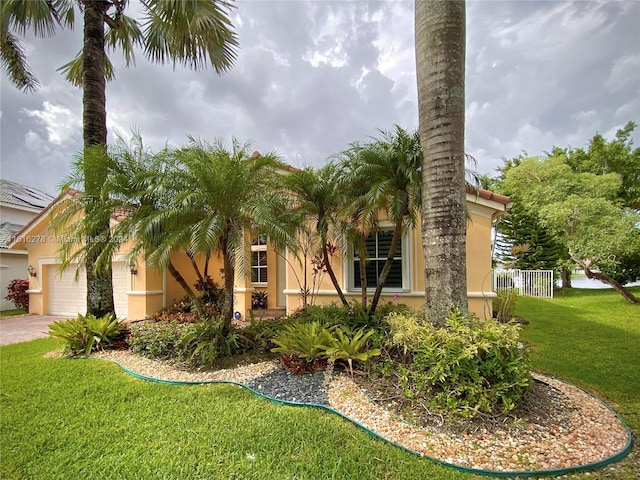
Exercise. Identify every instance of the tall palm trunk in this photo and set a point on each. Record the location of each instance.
(229, 277)
(440, 69)
(94, 120)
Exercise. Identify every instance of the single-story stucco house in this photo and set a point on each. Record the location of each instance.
(18, 205)
(140, 290)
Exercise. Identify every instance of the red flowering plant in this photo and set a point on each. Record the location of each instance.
(17, 290)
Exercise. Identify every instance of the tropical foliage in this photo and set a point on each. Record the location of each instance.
(190, 32)
(17, 293)
(84, 334)
(306, 347)
(469, 367)
(200, 199)
(382, 175)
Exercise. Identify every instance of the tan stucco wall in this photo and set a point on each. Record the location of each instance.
(478, 270)
(152, 290)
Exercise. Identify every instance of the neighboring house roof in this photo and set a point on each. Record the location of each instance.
(70, 192)
(16, 194)
(7, 230)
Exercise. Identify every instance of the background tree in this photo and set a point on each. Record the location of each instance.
(518, 228)
(440, 31)
(616, 156)
(189, 32)
(583, 210)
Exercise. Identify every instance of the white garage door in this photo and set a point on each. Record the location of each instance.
(68, 297)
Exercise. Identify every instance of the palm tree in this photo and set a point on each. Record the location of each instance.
(219, 198)
(440, 68)
(386, 175)
(190, 32)
(317, 197)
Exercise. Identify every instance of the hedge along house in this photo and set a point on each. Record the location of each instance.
(140, 291)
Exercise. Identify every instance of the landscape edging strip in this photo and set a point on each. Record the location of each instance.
(495, 473)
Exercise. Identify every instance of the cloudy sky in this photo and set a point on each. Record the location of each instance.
(314, 76)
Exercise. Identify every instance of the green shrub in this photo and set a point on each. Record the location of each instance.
(82, 335)
(17, 293)
(504, 305)
(259, 333)
(470, 366)
(406, 330)
(352, 317)
(157, 339)
(205, 341)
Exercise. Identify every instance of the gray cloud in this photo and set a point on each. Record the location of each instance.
(314, 76)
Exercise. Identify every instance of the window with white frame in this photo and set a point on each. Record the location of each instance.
(259, 260)
(378, 245)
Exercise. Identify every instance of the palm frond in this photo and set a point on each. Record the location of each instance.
(14, 63)
(191, 33)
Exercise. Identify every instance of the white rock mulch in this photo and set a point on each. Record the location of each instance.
(590, 432)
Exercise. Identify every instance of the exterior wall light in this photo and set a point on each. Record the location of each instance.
(32, 271)
(132, 268)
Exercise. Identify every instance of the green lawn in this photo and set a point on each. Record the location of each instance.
(63, 419)
(591, 338)
(11, 313)
(85, 419)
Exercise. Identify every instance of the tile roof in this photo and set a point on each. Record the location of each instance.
(488, 195)
(20, 195)
(7, 230)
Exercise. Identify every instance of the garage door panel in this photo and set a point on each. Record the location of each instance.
(68, 296)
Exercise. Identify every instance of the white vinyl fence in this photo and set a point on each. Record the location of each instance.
(530, 283)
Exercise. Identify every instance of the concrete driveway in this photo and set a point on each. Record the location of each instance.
(23, 328)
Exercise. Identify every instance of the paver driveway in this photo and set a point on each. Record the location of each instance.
(23, 328)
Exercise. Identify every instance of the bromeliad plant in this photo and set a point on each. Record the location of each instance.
(351, 349)
(85, 334)
(303, 346)
(306, 347)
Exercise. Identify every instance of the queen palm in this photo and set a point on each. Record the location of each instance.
(189, 32)
(216, 199)
(318, 198)
(440, 68)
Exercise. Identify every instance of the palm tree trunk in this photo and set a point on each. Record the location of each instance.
(229, 277)
(363, 283)
(185, 286)
(94, 121)
(332, 275)
(395, 240)
(440, 68)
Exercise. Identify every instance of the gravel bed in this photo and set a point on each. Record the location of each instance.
(577, 430)
(282, 385)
